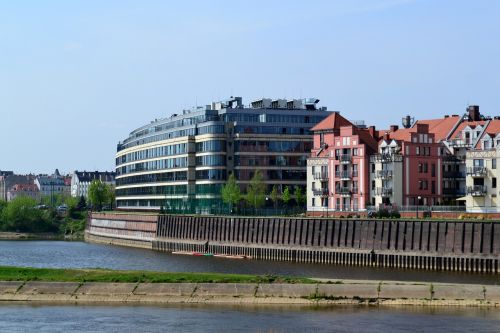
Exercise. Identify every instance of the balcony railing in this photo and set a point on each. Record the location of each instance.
(454, 191)
(453, 174)
(320, 176)
(386, 158)
(476, 171)
(459, 143)
(343, 174)
(384, 174)
(343, 191)
(383, 191)
(345, 158)
(320, 192)
(477, 190)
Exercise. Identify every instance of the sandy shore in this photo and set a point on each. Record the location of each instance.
(340, 292)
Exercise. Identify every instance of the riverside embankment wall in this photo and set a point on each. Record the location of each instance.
(420, 244)
(341, 292)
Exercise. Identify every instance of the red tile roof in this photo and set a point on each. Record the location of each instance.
(333, 121)
(463, 125)
(442, 127)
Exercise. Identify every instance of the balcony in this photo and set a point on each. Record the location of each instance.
(384, 174)
(343, 175)
(456, 192)
(477, 190)
(321, 192)
(383, 191)
(459, 143)
(345, 158)
(320, 176)
(386, 158)
(343, 191)
(476, 171)
(453, 174)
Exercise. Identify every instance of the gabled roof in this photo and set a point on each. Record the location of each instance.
(492, 129)
(463, 125)
(333, 121)
(440, 127)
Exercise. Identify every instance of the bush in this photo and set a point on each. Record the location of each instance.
(395, 214)
(383, 213)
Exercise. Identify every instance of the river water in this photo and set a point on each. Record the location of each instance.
(59, 254)
(19, 317)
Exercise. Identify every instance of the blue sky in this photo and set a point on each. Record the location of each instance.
(77, 76)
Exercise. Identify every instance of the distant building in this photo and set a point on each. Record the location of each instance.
(9, 179)
(28, 190)
(50, 185)
(80, 181)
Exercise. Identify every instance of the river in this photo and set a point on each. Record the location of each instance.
(21, 317)
(60, 254)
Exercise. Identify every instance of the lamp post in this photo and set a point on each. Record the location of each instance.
(418, 203)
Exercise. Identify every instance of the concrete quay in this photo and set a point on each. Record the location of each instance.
(354, 292)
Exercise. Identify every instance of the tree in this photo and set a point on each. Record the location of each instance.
(286, 197)
(275, 196)
(299, 196)
(98, 194)
(230, 192)
(111, 195)
(21, 215)
(82, 203)
(256, 191)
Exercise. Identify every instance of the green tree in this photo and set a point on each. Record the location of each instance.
(21, 215)
(275, 196)
(299, 196)
(98, 194)
(111, 196)
(82, 203)
(286, 197)
(256, 191)
(230, 192)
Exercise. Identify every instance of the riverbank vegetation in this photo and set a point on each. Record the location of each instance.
(66, 218)
(8, 273)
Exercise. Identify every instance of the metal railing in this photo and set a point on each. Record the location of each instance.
(345, 158)
(343, 191)
(320, 191)
(383, 174)
(476, 171)
(386, 158)
(343, 174)
(320, 176)
(477, 190)
(453, 174)
(383, 191)
(420, 208)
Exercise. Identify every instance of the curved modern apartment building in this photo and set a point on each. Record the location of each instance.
(180, 163)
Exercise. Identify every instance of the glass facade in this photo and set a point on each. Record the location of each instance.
(242, 141)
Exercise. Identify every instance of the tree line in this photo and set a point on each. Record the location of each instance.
(256, 195)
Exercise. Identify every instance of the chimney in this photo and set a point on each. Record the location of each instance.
(394, 128)
(473, 111)
(371, 130)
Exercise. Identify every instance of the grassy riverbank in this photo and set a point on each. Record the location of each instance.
(8, 273)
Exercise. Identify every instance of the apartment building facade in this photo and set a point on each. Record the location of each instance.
(180, 163)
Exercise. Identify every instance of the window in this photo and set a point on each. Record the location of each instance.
(494, 183)
(420, 168)
(373, 168)
(417, 150)
(321, 138)
(313, 202)
(433, 170)
(354, 151)
(494, 163)
(373, 184)
(478, 163)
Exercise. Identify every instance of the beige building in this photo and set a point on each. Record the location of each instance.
(481, 182)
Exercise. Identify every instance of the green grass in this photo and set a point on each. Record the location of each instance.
(9, 273)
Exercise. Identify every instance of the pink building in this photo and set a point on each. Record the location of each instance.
(338, 170)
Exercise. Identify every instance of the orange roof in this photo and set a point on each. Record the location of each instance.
(440, 127)
(493, 127)
(333, 121)
(403, 134)
(369, 140)
(463, 125)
